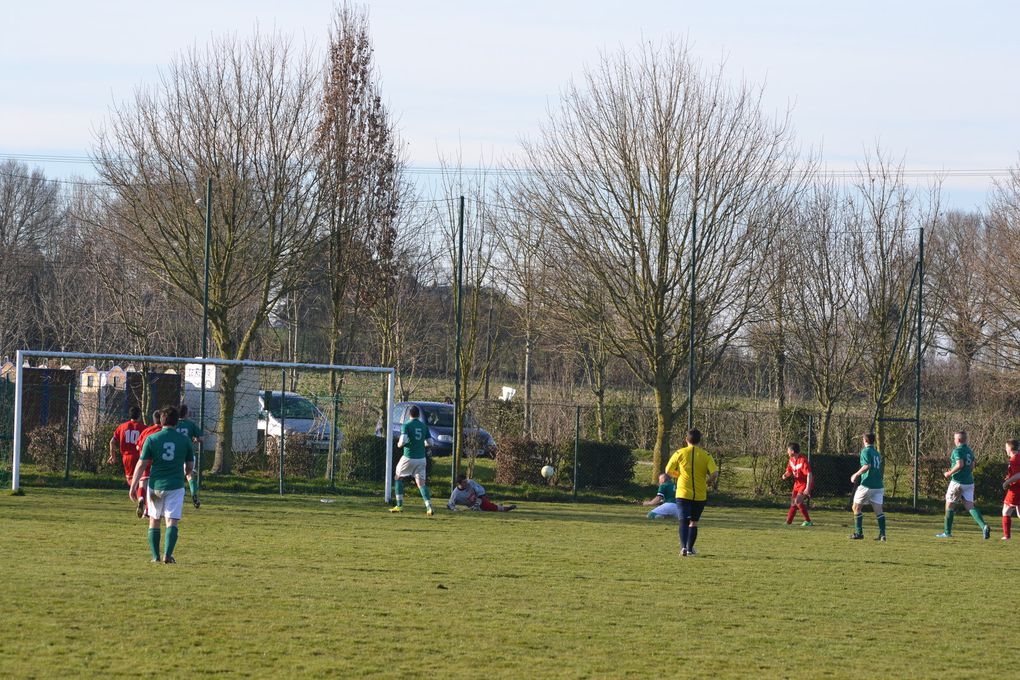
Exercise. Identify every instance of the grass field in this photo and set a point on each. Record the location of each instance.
(293, 587)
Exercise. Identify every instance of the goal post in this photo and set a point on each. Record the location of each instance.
(100, 390)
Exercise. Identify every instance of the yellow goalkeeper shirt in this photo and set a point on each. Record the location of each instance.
(690, 466)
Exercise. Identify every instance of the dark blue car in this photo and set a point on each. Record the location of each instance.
(439, 417)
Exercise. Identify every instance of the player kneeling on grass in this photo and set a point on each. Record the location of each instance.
(1011, 503)
(169, 456)
(414, 437)
(799, 468)
(871, 489)
(961, 486)
(664, 500)
(693, 469)
(472, 494)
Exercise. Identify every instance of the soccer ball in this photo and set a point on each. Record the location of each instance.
(548, 471)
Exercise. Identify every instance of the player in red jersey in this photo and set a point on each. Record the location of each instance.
(799, 468)
(1011, 503)
(125, 438)
(157, 425)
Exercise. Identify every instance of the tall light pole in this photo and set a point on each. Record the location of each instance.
(458, 408)
(205, 324)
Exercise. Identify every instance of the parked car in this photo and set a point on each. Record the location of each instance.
(278, 410)
(439, 417)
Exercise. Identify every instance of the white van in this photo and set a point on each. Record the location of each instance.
(293, 414)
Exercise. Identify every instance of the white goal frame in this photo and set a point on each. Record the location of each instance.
(23, 354)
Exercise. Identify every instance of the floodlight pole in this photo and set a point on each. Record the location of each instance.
(457, 406)
(19, 376)
(691, 303)
(917, 364)
(205, 329)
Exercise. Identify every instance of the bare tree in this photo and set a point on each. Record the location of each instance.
(1004, 236)
(244, 115)
(647, 148)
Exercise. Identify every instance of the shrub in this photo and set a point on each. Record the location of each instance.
(46, 447)
(520, 461)
(368, 459)
(831, 474)
(600, 465)
(300, 456)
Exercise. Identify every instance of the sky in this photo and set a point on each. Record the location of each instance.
(931, 82)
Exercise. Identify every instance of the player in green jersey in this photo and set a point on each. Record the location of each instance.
(871, 489)
(171, 457)
(664, 499)
(961, 486)
(192, 431)
(414, 437)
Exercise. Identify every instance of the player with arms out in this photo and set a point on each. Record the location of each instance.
(1011, 503)
(170, 456)
(192, 431)
(693, 469)
(871, 489)
(125, 439)
(799, 468)
(414, 437)
(961, 486)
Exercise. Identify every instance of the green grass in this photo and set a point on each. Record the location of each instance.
(287, 587)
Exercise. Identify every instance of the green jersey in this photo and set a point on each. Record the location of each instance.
(668, 492)
(965, 475)
(189, 428)
(168, 450)
(415, 432)
(873, 459)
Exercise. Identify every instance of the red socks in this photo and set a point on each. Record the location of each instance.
(790, 515)
(1007, 522)
(803, 511)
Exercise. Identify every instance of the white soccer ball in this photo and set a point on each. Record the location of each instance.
(548, 471)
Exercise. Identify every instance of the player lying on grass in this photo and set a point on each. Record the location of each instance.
(472, 494)
(414, 437)
(664, 499)
(125, 439)
(1011, 503)
(169, 456)
(961, 486)
(871, 489)
(799, 468)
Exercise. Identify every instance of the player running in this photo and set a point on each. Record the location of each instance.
(150, 430)
(414, 437)
(871, 489)
(125, 438)
(961, 486)
(170, 456)
(1011, 503)
(799, 468)
(693, 469)
(192, 431)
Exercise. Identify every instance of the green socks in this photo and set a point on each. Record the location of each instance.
(169, 542)
(426, 495)
(154, 542)
(976, 514)
(948, 526)
(859, 524)
(881, 524)
(398, 488)
(193, 486)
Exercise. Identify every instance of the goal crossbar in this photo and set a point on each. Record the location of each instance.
(23, 354)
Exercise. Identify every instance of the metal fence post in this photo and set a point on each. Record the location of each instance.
(67, 434)
(577, 444)
(283, 421)
(810, 434)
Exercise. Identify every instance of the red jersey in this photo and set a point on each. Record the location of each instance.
(151, 429)
(127, 436)
(1014, 468)
(800, 468)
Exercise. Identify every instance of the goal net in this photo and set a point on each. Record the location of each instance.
(295, 426)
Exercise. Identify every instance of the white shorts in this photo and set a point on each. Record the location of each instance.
(411, 467)
(166, 504)
(666, 510)
(866, 496)
(956, 491)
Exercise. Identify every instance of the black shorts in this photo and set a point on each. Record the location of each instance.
(690, 510)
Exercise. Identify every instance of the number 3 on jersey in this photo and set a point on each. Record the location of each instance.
(169, 450)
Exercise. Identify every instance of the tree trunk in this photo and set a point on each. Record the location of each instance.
(225, 443)
(823, 434)
(664, 425)
(527, 384)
